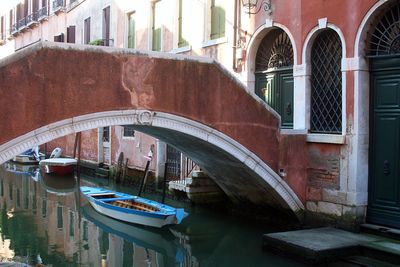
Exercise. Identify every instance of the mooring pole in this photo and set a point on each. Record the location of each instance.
(165, 182)
(142, 183)
(77, 146)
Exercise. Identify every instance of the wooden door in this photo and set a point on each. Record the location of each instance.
(384, 180)
(276, 89)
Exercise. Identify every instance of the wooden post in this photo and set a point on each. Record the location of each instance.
(77, 146)
(143, 182)
(165, 183)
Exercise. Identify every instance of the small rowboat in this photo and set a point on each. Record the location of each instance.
(58, 166)
(132, 209)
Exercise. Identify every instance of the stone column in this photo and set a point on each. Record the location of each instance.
(161, 159)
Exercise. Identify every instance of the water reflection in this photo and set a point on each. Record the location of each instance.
(44, 218)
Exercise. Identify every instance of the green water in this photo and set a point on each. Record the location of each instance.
(45, 219)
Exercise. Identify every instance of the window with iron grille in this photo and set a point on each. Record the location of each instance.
(129, 131)
(384, 37)
(326, 84)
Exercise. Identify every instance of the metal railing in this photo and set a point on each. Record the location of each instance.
(13, 28)
(42, 13)
(21, 23)
(31, 18)
(58, 4)
(190, 165)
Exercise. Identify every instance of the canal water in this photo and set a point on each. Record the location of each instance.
(44, 219)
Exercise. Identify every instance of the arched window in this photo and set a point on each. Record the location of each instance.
(384, 38)
(326, 84)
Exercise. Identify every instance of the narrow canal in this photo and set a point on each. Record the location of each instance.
(44, 219)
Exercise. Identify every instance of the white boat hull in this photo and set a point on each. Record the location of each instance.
(134, 218)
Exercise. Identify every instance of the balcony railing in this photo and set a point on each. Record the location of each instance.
(32, 18)
(22, 24)
(58, 5)
(42, 13)
(14, 29)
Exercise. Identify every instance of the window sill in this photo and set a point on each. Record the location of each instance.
(215, 42)
(181, 49)
(128, 138)
(326, 138)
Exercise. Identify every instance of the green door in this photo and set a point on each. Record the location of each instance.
(276, 89)
(384, 181)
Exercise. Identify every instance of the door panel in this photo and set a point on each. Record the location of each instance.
(384, 180)
(286, 81)
(276, 89)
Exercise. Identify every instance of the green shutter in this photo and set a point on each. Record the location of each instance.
(156, 39)
(131, 31)
(181, 42)
(217, 20)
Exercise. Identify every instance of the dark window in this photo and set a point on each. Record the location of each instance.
(129, 131)
(44, 208)
(106, 26)
(71, 224)
(85, 234)
(131, 30)
(59, 38)
(44, 3)
(86, 38)
(71, 34)
(106, 134)
(217, 19)
(326, 84)
(174, 163)
(60, 222)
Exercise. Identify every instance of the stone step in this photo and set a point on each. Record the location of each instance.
(330, 244)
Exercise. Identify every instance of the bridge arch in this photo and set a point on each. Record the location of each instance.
(206, 146)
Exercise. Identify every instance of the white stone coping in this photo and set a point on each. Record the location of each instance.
(217, 41)
(181, 49)
(155, 119)
(326, 138)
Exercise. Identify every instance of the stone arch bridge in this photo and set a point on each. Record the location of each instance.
(49, 90)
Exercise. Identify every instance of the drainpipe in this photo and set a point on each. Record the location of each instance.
(235, 32)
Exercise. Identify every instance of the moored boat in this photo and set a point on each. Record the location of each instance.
(30, 156)
(132, 209)
(58, 166)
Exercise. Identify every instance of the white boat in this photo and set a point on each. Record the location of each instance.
(58, 166)
(132, 209)
(31, 156)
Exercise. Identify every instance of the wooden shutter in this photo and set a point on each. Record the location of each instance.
(26, 8)
(131, 30)
(87, 31)
(217, 19)
(71, 34)
(156, 27)
(2, 34)
(181, 38)
(106, 26)
(35, 5)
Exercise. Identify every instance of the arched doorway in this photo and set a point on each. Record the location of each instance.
(274, 74)
(383, 49)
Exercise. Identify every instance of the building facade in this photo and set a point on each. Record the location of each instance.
(328, 68)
